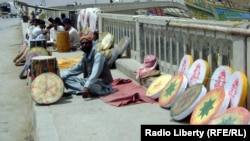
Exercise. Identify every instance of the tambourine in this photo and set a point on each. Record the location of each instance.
(123, 45)
(47, 88)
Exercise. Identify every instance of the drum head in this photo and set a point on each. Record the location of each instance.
(47, 88)
(232, 116)
(123, 45)
(175, 87)
(107, 41)
(113, 57)
(214, 102)
(186, 62)
(236, 88)
(36, 51)
(220, 77)
(198, 72)
(184, 104)
(155, 88)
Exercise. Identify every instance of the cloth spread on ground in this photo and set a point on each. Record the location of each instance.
(65, 63)
(128, 93)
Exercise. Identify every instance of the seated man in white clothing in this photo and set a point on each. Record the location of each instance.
(73, 34)
(53, 31)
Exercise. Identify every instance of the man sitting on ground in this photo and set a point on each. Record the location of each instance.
(97, 75)
(73, 35)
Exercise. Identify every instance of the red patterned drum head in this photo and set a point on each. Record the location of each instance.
(47, 88)
(236, 88)
(155, 88)
(233, 115)
(198, 72)
(186, 62)
(184, 104)
(214, 102)
(175, 87)
(220, 77)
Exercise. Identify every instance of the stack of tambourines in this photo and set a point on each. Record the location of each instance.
(188, 95)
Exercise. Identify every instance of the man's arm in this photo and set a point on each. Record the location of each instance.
(96, 70)
(74, 71)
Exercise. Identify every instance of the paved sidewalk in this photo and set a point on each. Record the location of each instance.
(76, 119)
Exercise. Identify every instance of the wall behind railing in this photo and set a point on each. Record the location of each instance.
(169, 38)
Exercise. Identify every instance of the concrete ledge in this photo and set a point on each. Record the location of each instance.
(128, 66)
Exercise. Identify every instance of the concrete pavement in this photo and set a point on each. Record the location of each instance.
(76, 119)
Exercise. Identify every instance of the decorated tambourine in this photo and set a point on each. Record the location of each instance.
(198, 72)
(185, 64)
(47, 88)
(107, 41)
(184, 104)
(220, 77)
(175, 87)
(155, 88)
(232, 116)
(236, 88)
(213, 103)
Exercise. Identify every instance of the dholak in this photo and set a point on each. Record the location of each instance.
(38, 43)
(42, 64)
(63, 41)
(47, 88)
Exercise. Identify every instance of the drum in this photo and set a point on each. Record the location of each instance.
(175, 87)
(184, 104)
(107, 41)
(220, 77)
(42, 64)
(38, 43)
(186, 62)
(155, 88)
(232, 116)
(236, 88)
(47, 88)
(213, 103)
(123, 45)
(198, 72)
(63, 41)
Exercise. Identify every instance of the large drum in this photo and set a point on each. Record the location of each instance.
(213, 103)
(38, 43)
(174, 88)
(42, 64)
(184, 104)
(155, 88)
(232, 116)
(63, 41)
(47, 88)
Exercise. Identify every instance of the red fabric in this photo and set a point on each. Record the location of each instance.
(128, 93)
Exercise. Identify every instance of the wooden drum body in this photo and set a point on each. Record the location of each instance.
(42, 64)
(63, 41)
(38, 43)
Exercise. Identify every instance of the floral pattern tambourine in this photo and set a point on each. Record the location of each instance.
(47, 88)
